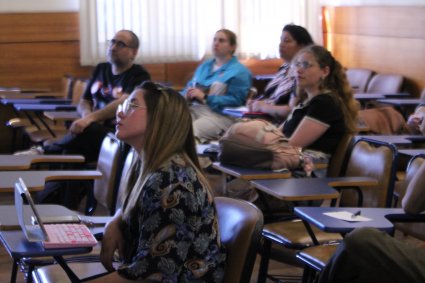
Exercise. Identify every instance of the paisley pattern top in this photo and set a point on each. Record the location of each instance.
(172, 235)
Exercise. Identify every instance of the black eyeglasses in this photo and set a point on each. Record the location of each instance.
(118, 43)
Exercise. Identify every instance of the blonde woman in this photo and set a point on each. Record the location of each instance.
(167, 229)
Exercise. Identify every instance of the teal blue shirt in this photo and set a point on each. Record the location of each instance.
(235, 76)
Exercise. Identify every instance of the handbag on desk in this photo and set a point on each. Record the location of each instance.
(258, 144)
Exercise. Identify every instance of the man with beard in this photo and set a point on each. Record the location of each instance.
(110, 85)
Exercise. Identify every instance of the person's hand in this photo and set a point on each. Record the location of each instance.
(249, 103)
(258, 106)
(117, 92)
(195, 93)
(112, 241)
(78, 126)
(414, 121)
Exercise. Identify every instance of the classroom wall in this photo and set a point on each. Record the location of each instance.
(386, 39)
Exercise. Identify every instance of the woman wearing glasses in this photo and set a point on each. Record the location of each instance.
(167, 228)
(327, 109)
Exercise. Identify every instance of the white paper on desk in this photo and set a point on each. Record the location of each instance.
(239, 109)
(347, 216)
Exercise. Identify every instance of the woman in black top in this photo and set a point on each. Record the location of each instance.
(327, 110)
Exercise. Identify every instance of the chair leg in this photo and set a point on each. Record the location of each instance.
(264, 263)
(308, 275)
(14, 271)
(29, 273)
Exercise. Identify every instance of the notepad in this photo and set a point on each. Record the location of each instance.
(347, 216)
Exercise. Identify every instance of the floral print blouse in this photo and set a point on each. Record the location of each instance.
(172, 235)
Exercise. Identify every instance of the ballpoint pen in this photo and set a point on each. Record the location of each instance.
(357, 213)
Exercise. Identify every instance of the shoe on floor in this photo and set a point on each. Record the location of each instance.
(35, 150)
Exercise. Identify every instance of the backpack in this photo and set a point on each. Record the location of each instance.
(258, 144)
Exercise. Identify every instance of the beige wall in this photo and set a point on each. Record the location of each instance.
(385, 39)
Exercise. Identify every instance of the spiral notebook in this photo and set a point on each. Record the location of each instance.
(50, 235)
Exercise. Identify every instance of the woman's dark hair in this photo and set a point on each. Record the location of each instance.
(300, 34)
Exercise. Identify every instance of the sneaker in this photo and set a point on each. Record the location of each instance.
(35, 150)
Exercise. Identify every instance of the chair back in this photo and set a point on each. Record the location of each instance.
(411, 191)
(411, 170)
(339, 158)
(240, 224)
(413, 201)
(122, 184)
(373, 159)
(78, 90)
(67, 84)
(359, 79)
(109, 164)
(385, 83)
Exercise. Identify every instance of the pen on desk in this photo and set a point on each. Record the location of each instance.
(357, 213)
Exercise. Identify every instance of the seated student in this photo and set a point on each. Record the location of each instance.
(279, 95)
(109, 85)
(217, 83)
(369, 255)
(327, 110)
(415, 122)
(167, 229)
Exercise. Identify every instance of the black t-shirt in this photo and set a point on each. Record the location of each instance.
(325, 109)
(103, 82)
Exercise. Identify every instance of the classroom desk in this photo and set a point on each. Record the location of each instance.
(296, 189)
(9, 101)
(35, 180)
(243, 112)
(302, 189)
(24, 162)
(397, 140)
(39, 108)
(368, 96)
(44, 107)
(9, 218)
(405, 105)
(248, 174)
(18, 95)
(34, 90)
(401, 101)
(266, 77)
(9, 89)
(18, 247)
(380, 218)
(24, 90)
(412, 152)
(59, 116)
